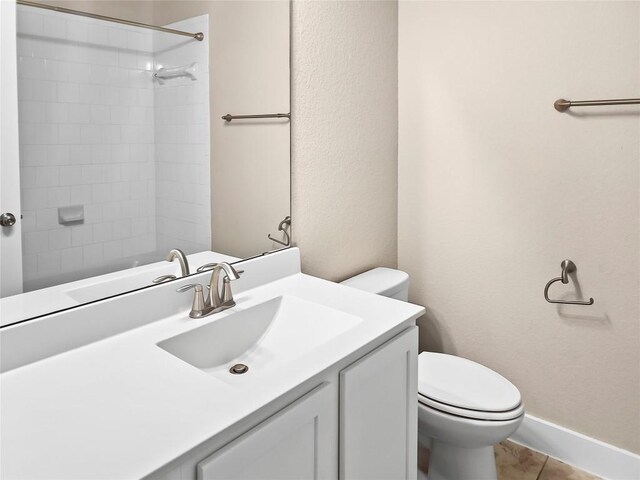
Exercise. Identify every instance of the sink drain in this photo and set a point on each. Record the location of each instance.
(239, 369)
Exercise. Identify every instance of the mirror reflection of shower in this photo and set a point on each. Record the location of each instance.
(114, 159)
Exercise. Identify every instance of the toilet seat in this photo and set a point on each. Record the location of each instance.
(470, 414)
(464, 388)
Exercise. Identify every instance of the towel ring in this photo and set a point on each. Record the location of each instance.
(567, 267)
(282, 228)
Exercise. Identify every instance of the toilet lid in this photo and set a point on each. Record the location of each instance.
(464, 384)
(472, 414)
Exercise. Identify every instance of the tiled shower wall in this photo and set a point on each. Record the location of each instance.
(183, 197)
(87, 130)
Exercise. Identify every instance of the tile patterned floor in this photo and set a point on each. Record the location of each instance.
(515, 462)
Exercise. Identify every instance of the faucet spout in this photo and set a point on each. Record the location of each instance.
(216, 299)
(182, 259)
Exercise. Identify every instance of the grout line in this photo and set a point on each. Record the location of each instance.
(542, 469)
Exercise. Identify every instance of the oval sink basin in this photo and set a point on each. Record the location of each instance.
(280, 329)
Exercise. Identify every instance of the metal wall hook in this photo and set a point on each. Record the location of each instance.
(281, 228)
(567, 267)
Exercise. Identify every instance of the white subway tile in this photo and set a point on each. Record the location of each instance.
(93, 254)
(33, 198)
(130, 171)
(58, 155)
(69, 134)
(145, 97)
(80, 154)
(103, 232)
(107, 57)
(93, 214)
(49, 262)
(71, 175)
(132, 246)
(117, 38)
(113, 250)
(99, 35)
(89, 94)
(60, 238)
(121, 190)
(120, 153)
(47, 134)
(45, 91)
(24, 47)
(90, 134)
(111, 134)
(100, 114)
(102, 192)
(29, 67)
(71, 259)
(112, 173)
(58, 196)
(108, 95)
(47, 176)
(122, 228)
(57, 70)
(56, 112)
(79, 72)
(32, 155)
(77, 31)
(55, 27)
(47, 218)
(81, 235)
(100, 154)
(29, 23)
(68, 92)
(29, 264)
(35, 242)
(130, 208)
(79, 113)
(112, 211)
(25, 89)
(80, 194)
(92, 174)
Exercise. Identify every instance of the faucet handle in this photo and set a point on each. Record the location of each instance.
(164, 278)
(205, 267)
(209, 266)
(227, 295)
(199, 306)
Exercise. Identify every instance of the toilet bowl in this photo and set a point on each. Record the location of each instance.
(464, 408)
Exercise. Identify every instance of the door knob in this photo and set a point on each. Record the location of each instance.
(7, 219)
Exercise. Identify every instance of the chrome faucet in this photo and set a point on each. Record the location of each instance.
(224, 300)
(184, 265)
(216, 300)
(182, 259)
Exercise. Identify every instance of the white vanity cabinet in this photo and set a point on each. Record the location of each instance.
(296, 443)
(359, 423)
(379, 412)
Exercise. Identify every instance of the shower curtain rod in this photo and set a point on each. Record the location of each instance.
(198, 36)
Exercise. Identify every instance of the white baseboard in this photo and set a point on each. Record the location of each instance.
(575, 449)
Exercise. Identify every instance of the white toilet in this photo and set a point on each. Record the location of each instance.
(464, 408)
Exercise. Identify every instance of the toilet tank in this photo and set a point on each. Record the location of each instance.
(382, 281)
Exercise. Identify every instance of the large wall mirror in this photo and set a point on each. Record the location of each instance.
(123, 154)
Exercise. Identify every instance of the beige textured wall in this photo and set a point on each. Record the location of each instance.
(344, 135)
(250, 168)
(136, 10)
(496, 188)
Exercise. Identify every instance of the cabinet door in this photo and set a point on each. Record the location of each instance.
(378, 412)
(296, 443)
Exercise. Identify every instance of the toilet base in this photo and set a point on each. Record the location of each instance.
(448, 462)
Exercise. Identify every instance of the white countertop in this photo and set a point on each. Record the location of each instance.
(123, 407)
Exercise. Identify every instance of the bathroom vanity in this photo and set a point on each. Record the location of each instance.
(131, 387)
